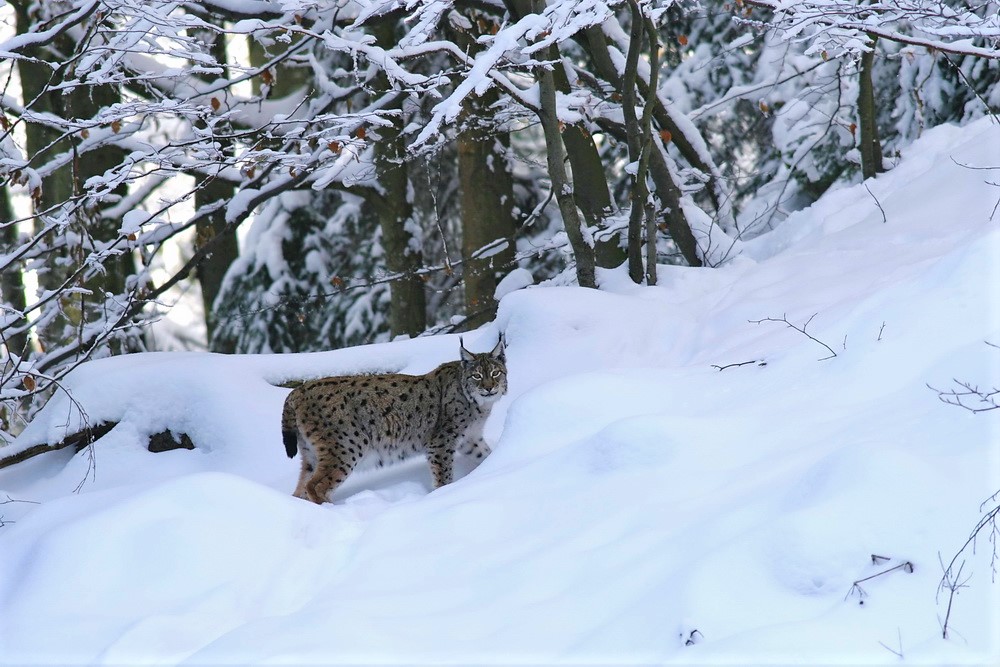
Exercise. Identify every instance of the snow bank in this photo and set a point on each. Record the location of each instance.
(671, 482)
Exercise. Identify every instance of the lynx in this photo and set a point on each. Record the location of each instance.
(337, 421)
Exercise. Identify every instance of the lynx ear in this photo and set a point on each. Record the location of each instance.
(466, 355)
(498, 351)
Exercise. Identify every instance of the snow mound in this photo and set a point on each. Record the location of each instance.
(742, 465)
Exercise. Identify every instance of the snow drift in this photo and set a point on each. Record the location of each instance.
(678, 475)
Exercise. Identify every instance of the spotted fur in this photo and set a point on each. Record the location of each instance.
(336, 422)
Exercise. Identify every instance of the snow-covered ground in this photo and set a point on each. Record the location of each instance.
(641, 505)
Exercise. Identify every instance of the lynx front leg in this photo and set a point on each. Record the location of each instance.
(476, 448)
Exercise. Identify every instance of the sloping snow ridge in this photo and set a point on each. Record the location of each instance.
(651, 498)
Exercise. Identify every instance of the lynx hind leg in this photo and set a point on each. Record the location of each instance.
(332, 468)
(308, 455)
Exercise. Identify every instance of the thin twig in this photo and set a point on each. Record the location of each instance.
(987, 399)
(801, 330)
(906, 566)
(741, 363)
(877, 203)
(953, 583)
(899, 637)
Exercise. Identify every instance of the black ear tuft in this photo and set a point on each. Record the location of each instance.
(466, 355)
(498, 351)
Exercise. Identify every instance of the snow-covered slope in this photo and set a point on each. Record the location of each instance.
(641, 505)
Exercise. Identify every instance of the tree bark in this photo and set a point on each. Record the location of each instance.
(80, 102)
(871, 147)
(403, 255)
(41, 141)
(285, 78)
(647, 147)
(555, 158)
(12, 279)
(663, 180)
(212, 269)
(555, 154)
(593, 195)
(86, 103)
(635, 139)
(487, 203)
(596, 46)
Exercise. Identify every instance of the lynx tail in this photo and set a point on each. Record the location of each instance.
(289, 432)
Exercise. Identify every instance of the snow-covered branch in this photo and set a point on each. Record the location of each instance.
(836, 27)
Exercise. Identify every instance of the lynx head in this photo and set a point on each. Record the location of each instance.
(484, 376)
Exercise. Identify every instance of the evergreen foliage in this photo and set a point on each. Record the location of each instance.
(291, 290)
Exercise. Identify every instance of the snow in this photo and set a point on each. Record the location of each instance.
(517, 279)
(641, 506)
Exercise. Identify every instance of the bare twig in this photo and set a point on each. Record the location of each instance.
(982, 400)
(899, 637)
(759, 362)
(906, 566)
(985, 400)
(969, 166)
(877, 203)
(8, 501)
(951, 580)
(801, 330)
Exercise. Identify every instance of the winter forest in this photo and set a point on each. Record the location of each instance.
(262, 178)
(313, 175)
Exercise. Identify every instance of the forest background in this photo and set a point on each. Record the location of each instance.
(301, 175)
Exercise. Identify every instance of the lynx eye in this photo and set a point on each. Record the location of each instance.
(495, 373)
(477, 376)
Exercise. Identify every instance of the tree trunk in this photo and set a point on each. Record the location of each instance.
(592, 193)
(82, 103)
(664, 182)
(593, 196)
(41, 141)
(212, 269)
(871, 147)
(636, 139)
(11, 280)
(487, 202)
(670, 195)
(555, 155)
(408, 301)
(86, 103)
(596, 46)
(285, 78)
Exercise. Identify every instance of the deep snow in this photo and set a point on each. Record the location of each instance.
(640, 506)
